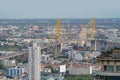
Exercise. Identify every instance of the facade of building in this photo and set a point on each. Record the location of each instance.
(110, 65)
(99, 45)
(80, 69)
(12, 72)
(34, 62)
(46, 58)
(75, 56)
(9, 63)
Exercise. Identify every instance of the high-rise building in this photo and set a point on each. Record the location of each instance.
(83, 34)
(34, 61)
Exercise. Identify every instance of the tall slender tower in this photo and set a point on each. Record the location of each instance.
(59, 33)
(93, 28)
(93, 32)
(83, 32)
(34, 61)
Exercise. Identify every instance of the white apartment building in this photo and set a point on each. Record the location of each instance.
(34, 61)
(80, 69)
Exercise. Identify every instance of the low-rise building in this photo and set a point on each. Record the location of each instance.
(56, 67)
(3, 78)
(25, 66)
(80, 69)
(9, 63)
(46, 70)
(52, 77)
(46, 58)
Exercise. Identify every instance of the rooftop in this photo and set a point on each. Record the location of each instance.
(113, 54)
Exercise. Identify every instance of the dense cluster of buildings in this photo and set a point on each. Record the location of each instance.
(48, 59)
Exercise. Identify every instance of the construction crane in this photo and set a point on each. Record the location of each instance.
(58, 29)
(93, 27)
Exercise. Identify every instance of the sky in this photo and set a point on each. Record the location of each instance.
(22, 9)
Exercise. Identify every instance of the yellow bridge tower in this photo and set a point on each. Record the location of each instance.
(59, 31)
(93, 27)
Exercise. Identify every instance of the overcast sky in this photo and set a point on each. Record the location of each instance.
(18, 9)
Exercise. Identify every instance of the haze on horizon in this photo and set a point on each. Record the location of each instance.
(20, 9)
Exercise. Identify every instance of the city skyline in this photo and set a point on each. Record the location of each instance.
(63, 8)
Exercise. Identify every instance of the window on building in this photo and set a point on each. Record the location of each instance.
(117, 68)
(109, 68)
(43, 57)
(104, 68)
